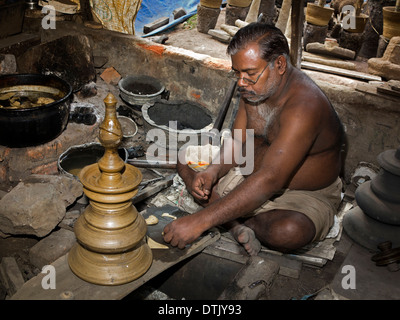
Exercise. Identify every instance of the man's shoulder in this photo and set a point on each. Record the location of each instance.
(303, 92)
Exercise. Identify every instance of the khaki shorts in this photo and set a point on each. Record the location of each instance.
(319, 205)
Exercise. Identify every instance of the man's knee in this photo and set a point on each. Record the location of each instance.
(287, 234)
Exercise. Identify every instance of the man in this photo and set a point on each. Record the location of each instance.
(292, 195)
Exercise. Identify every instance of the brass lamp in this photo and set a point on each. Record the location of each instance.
(111, 247)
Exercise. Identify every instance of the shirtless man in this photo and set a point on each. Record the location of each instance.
(293, 193)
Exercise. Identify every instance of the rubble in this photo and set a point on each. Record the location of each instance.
(389, 65)
(10, 275)
(37, 205)
(51, 248)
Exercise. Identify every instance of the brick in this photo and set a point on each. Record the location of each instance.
(111, 76)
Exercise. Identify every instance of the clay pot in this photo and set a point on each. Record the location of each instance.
(317, 15)
(211, 3)
(391, 22)
(239, 3)
(361, 21)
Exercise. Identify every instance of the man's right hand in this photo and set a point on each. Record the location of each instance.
(202, 185)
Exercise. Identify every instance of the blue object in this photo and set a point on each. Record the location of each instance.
(151, 10)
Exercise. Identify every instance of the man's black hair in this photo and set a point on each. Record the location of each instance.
(271, 40)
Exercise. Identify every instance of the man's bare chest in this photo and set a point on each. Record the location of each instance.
(262, 120)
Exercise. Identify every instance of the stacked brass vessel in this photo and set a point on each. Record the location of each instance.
(111, 247)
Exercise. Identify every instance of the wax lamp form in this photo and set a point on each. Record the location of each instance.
(111, 247)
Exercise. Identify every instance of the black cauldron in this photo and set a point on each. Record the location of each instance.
(31, 126)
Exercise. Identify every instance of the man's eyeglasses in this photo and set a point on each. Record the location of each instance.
(236, 75)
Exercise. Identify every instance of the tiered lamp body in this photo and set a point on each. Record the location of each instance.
(111, 247)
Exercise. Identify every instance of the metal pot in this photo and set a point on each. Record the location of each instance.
(138, 90)
(75, 158)
(24, 127)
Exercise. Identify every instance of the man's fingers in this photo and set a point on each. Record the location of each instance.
(166, 234)
(199, 196)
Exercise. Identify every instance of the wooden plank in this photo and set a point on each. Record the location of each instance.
(389, 91)
(340, 71)
(371, 89)
(69, 285)
(297, 19)
(328, 61)
(152, 190)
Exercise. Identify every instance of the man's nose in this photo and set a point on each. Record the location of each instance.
(241, 82)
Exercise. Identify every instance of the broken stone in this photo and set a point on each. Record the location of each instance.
(69, 57)
(69, 189)
(314, 34)
(88, 90)
(338, 52)
(253, 281)
(220, 35)
(8, 64)
(231, 30)
(232, 13)
(392, 52)
(155, 24)
(207, 18)
(179, 12)
(10, 275)
(51, 248)
(69, 220)
(38, 204)
(389, 65)
(351, 41)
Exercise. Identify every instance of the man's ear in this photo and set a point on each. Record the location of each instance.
(281, 64)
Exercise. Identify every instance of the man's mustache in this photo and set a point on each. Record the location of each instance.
(242, 90)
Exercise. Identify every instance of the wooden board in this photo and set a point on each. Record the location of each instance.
(68, 284)
(373, 90)
(339, 71)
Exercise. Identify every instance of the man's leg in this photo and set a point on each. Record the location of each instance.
(281, 230)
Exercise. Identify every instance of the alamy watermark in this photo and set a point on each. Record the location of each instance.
(348, 17)
(49, 20)
(349, 280)
(49, 280)
(234, 149)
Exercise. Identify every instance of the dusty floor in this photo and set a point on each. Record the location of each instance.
(370, 279)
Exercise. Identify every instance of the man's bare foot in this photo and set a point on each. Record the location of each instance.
(246, 237)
